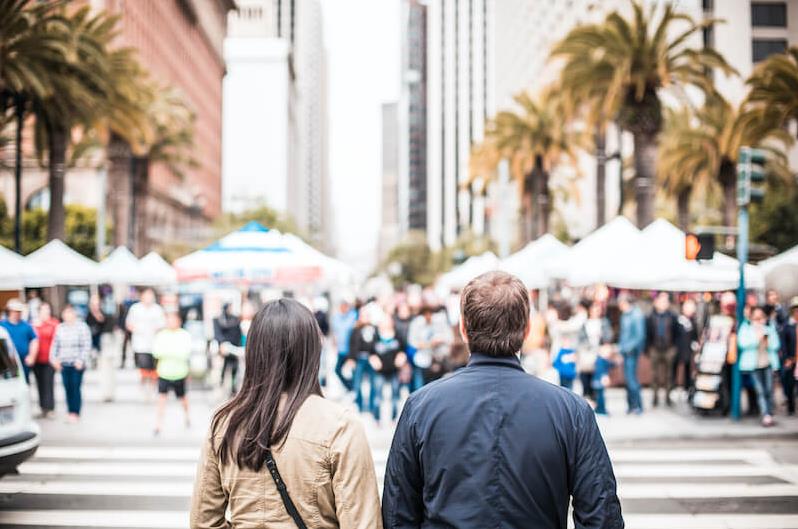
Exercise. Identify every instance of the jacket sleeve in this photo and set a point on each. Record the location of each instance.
(209, 501)
(357, 501)
(402, 506)
(595, 501)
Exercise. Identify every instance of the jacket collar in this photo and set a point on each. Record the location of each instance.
(479, 359)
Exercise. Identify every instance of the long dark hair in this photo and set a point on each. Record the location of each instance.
(282, 358)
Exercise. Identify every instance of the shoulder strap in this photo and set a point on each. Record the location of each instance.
(271, 464)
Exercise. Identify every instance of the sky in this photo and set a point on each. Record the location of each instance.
(363, 53)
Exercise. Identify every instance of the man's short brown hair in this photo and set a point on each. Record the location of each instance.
(495, 312)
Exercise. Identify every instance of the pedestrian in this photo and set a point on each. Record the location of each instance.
(777, 313)
(564, 329)
(605, 361)
(491, 446)
(758, 347)
(342, 323)
(661, 333)
(97, 322)
(227, 333)
(70, 353)
(789, 355)
(387, 360)
(22, 334)
(172, 350)
(321, 308)
(631, 341)
(596, 332)
(361, 347)
(144, 319)
(686, 339)
(43, 370)
(34, 303)
(279, 453)
(431, 338)
(131, 299)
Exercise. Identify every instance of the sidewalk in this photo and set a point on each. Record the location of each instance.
(681, 422)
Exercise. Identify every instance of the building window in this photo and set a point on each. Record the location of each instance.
(763, 48)
(769, 14)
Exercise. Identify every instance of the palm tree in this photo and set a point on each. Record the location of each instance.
(535, 141)
(30, 47)
(80, 85)
(774, 86)
(619, 69)
(700, 148)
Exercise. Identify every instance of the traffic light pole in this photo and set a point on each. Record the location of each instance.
(742, 258)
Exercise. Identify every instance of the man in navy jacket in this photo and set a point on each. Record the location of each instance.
(493, 447)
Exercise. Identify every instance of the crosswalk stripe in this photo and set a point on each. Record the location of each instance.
(688, 471)
(118, 453)
(712, 521)
(99, 518)
(715, 490)
(99, 488)
(159, 470)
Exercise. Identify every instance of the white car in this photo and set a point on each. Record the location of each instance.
(19, 434)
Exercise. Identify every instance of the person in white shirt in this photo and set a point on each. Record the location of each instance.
(144, 320)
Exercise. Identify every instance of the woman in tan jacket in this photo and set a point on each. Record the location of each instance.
(316, 450)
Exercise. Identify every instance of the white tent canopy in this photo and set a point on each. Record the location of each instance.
(16, 273)
(121, 267)
(156, 270)
(659, 263)
(781, 272)
(261, 255)
(595, 258)
(459, 276)
(529, 263)
(65, 266)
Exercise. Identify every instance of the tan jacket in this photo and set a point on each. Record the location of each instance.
(326, 464)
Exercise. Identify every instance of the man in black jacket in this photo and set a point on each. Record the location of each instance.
(491, 446)
(661, 332)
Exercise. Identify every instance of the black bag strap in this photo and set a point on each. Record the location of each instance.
(271, 464)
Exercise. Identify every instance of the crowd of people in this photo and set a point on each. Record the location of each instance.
(395, 345)
(584, 345)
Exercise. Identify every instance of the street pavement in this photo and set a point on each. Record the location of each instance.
(674, 470)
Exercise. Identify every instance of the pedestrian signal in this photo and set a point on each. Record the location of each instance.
(699, 246)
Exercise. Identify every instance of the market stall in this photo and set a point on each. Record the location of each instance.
(529, 263)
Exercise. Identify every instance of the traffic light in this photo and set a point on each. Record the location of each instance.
(699, 247)
(750, 176)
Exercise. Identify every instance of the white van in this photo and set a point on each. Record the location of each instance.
(19, 434)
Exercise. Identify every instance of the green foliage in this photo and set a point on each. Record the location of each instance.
(413, 262)
(81, 229)
(775, 220)
(265, 215)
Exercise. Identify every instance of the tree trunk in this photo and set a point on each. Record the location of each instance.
(140, 225)
(118, 195)
(541, 198)
(530, 213)
(57, 137)
(601, 177)
(683, 207)
(19, 105)
(728, 181)
(645, 170)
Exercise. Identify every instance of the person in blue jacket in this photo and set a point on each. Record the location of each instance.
(758, 348)
(631, 341)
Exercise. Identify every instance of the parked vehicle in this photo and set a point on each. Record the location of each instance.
(19, 434)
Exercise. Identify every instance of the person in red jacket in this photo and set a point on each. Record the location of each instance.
(43, 370)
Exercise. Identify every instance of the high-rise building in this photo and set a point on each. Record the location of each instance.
(276, 115)
(459, 102)
(179, 43)
(257, 110)
(412, 118)
(390, 223)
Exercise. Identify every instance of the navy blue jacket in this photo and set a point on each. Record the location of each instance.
(493, 447)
